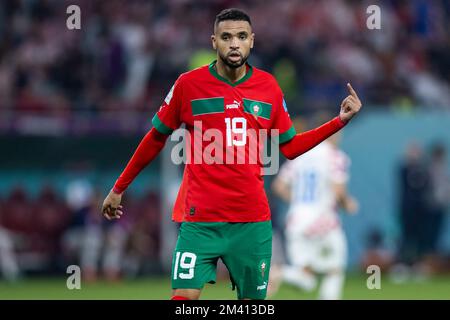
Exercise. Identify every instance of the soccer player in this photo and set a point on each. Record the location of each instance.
(315, 186)
(222, 206)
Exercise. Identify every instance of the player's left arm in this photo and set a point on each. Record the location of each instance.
(303, 142)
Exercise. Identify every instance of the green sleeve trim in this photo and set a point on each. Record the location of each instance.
(288, 135)
(161, 127)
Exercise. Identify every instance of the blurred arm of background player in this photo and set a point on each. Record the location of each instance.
(344, 200)
(281, 189)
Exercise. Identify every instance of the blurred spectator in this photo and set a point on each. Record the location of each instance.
(376, 252)
(35, 227)
(50, 218)
(17, 219)
(9, 267)
(17, 216)
(414, 184)
(111, 249)
(128, 53)
(45, 234)
(89, 240)
(439, 197)
(143, 246)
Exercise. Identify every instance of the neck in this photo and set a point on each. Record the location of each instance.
(231, 74)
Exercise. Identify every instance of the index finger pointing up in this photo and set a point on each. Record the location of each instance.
(352, 91)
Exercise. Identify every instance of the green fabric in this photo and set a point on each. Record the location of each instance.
(213, 71)
(208, 105)
(245, 249)
(288, 135)
(257, 108)
(161, 127)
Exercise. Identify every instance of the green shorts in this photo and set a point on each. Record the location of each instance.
(245, 249)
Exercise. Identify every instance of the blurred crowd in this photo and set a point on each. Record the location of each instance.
(423, 181)
(113, 73)
(47, 233)
(424, 200)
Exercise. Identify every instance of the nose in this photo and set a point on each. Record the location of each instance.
(234, 43)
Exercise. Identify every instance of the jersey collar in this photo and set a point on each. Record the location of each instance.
(247, 75)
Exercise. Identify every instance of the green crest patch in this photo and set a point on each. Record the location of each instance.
(258, 108)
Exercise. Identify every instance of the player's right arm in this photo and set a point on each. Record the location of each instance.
(166, 120)
(297, 144)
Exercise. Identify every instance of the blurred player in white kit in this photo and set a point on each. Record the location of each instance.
(315, 187)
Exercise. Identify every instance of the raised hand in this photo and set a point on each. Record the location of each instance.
(350, 105)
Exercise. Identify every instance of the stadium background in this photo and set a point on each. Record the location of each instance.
(75, 103)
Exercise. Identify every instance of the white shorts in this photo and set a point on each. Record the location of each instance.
(320, 253)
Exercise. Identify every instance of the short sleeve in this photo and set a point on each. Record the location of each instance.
(340, 168)
(168, 117)
(282, 121)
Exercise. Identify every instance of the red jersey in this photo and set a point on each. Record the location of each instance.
(222, 119)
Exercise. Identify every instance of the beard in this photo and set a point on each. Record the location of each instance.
(233, 64)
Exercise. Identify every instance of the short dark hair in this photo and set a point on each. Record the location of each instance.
(232, 14)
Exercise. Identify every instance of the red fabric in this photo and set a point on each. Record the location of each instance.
(179, 298)
(147, 150)
(232, 191)
(179, 206)
(305, 141)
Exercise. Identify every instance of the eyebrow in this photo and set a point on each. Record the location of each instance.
(240, 33)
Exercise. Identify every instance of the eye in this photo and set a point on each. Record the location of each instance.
(242, 37)
(225, 37)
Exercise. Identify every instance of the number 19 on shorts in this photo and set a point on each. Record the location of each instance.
(185, 261)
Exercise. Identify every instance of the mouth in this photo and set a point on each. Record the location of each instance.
(234, 56)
